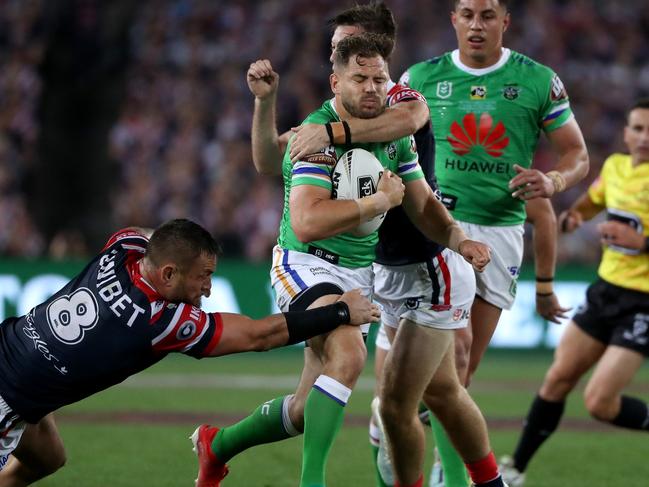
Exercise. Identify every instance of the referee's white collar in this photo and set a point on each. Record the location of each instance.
(504, 57)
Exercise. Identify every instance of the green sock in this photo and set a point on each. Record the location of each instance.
(455, 474)
(323, 417)
(379, 479)
(264, 425)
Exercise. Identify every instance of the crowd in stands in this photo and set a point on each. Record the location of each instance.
(182, 139)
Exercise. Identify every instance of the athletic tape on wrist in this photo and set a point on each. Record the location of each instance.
(558, 181)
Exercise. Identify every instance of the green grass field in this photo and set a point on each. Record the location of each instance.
(136, 434)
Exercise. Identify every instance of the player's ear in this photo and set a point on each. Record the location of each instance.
(333, 82)
(506, 22)
(168, 272)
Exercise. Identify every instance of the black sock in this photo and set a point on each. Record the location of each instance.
(633, 414)
(542, 419)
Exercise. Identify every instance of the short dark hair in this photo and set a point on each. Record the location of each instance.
(362, 45)
(641, 103)
(180, 241)
(374, 17)
(502, 3)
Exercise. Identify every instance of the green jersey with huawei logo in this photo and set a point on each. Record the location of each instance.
(345, 249)
(485, 121)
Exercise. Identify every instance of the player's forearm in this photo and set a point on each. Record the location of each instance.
(297, 326)
(326, 218)
(399, 121)
(436, 223)
(266, 151)
(586, 207)
(545, 246)
(572, 166)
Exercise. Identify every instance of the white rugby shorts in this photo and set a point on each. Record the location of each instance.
(11, 430)
(293, 272)
(497, 283)
(438, 294)
(382, 341)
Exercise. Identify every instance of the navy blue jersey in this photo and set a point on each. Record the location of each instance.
(106, 324)
(400, 242)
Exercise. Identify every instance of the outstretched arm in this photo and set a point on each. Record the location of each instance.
(397, 121)
(267, 147)
(243, 334)
(541, 215)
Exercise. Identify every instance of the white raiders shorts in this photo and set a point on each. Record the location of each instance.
(293, 273)
(497, 283)
(11, 430)
(382, 340)
(438, 293)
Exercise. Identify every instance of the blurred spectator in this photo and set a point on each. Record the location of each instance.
(181, 142)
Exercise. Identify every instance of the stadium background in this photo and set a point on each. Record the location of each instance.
(130, 113)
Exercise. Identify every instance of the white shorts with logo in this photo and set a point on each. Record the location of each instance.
(295, 272)
(497, 284)
(11, 430)
(438, 294)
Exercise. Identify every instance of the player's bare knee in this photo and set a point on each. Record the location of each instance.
(600, 406)
(391, 411)
(441, 395)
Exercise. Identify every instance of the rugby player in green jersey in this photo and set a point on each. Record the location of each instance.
(488, 106)
(317, 256)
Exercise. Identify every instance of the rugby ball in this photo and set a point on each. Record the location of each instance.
(356, 175)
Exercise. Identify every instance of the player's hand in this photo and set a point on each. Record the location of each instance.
(308, 139)
(550, 309)
(620, 234)
(570, 220)
(361, 309)
(262, 80)
(391, 185)
(530, 183)
(475, 253)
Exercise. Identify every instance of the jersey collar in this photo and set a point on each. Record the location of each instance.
(504, 57)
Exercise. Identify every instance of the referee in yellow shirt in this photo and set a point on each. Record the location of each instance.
(611, 330)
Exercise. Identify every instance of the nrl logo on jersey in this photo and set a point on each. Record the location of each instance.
(391, 150)
(511, 92)
(444, 89)
(478, 92)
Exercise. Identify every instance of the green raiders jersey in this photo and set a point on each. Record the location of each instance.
(485, 121)
(343, 249)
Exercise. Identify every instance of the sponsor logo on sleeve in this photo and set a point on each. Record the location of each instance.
(558, 91)
(326, 156)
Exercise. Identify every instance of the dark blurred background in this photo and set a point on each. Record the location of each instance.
(116, 113)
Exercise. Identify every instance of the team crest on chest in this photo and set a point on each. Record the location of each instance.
(478, 92)
(511, 92)
(391, 150)
(444, 89)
